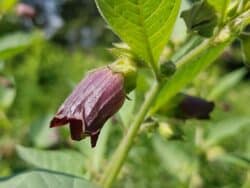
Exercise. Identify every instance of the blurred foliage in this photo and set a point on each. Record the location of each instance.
(36, 74)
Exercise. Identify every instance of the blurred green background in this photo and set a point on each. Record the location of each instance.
(43, 57)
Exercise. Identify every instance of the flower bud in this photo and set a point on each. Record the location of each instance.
(168, 68)
(94, 100)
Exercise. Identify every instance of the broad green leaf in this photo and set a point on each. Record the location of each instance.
(45, 179)
(62, 161)
(14, 43)
(185, 74)
(174, 158)
(225, 129)
(226, 83)
(145, 25)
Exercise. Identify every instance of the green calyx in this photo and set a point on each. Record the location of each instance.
(128, 69)
(168, 68)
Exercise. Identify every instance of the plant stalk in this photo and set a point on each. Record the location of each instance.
(121, 153)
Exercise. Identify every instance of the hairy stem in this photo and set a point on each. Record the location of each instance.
(121, 153)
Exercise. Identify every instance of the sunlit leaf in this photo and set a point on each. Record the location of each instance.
(45, 179)
(145, 25)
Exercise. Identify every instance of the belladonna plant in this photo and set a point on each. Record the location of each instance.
(95, 99)
(145, 27)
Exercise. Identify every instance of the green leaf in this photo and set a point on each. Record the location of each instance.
(62, 161)
(14, 43)
(5, 5)
(45, 179)
(185, 74)
(174, 158)
(200, 18)
(225, 129)
(226, 83)
(145, 25)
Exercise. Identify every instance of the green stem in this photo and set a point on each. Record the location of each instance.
(224, 11)
(240, 7)
(121, 153)
(194, 53)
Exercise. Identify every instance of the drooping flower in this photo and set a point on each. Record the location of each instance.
(195, 107)
(94, 100)
(188, 107)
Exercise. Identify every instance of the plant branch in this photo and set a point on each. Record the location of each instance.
(119, 157)
(121, 153)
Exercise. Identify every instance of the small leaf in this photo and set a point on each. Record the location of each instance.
(45, 179)
(201, 18)
(225, 129)
(226, 83)
(62, 161)
(185, 74)
(145, 25)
